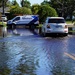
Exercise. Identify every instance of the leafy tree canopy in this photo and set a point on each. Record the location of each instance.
(25, 3)
(14, 2)
(45, 11)
(5, 1)
(64, 7)
(35, 9)
(20, 10)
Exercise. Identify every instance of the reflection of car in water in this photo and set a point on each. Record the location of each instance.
(55, 25)
(29, 20)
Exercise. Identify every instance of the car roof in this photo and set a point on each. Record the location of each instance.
(27, 15)
(55, 17)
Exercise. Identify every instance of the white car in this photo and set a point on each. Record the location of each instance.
(55, 25)
(3, 18)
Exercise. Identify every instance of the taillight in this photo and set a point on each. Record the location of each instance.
(66, 26)
(48, 26)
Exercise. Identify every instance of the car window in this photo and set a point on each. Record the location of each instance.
(56, 21)
(16, 19)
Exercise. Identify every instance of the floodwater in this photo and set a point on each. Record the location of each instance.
(36, 55)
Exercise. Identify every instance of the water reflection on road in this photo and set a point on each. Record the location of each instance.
(35, 55)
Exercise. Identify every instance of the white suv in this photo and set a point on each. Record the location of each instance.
(54, 25)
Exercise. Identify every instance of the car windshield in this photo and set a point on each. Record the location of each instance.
(56, 21)
(16, 18)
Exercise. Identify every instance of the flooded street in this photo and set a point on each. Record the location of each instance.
(30, 54)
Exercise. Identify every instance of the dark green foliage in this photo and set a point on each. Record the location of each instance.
(35, 8)
(63, 7)
(45, 11)
(16, 10)
(45, 2)
(20, 10)
(25, 10)
(14, 2)
(5, 1)
(25, 3)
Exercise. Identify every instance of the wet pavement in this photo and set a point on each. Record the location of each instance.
(30, 54)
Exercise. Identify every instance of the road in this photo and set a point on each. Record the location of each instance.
(31, 54)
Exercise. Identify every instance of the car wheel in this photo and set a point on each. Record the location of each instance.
(65, 34)
(9, 26)
(44, 34)
(13, 26)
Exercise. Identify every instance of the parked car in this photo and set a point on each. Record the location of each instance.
(54, 25)
(29, 20)
(3, 18)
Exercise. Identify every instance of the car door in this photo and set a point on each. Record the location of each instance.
(16, 20)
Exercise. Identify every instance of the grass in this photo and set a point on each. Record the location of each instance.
(72, 31)
(68, 22)
(4, 24)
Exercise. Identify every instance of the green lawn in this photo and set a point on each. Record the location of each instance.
(4, 24)
(69, 22)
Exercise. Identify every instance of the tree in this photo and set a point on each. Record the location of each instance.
(15, 10)
(45, 2)
(64, 7)
(5, 1)
(46, 10)
(25, 11)
(35, 9)
(25, 3)
(9, 3)
(14, 2)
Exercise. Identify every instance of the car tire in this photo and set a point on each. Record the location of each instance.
(65, 34)
(9, 26)
(13, 26)
(44, 34)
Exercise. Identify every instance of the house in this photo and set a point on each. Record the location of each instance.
(6, 9)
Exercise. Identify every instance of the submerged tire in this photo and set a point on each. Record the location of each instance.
(9, 26)
(65, 34)
(44, 34)
(32, 27)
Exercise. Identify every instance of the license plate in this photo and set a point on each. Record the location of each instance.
(58, 26)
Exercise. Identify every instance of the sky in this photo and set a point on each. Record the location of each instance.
(32, 1)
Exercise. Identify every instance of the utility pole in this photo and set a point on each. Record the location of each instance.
(3, 7)
(3, 13)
